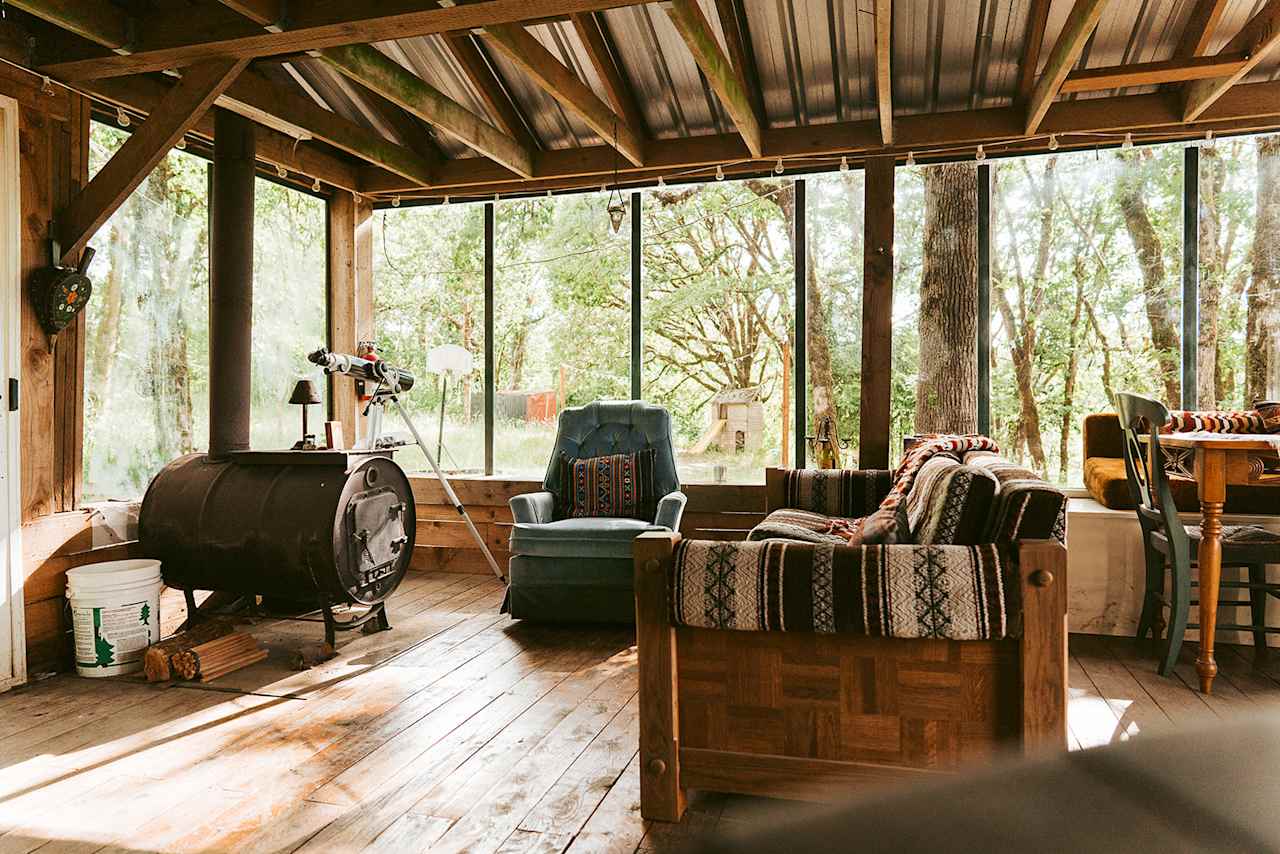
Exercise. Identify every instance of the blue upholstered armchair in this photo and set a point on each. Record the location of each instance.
(580, 569)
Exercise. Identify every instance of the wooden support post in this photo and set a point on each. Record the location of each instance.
(877, 313)
(661, 796)
(1042, 569)
(180, 108)
(798, 359)
(341, 246)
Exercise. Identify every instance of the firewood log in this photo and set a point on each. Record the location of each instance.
(155, 662)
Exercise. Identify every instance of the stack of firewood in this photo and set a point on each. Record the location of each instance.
(219, 657)
(204, 652)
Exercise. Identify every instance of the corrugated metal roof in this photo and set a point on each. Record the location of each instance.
(815, 61)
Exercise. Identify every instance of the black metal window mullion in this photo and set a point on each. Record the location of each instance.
(799, 354)
(637, 294)
(1190, 273)
(490, 372)
(984, 299)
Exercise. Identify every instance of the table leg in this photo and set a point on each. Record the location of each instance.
(1211, 477)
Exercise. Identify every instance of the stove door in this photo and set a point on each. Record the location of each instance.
(376, 539)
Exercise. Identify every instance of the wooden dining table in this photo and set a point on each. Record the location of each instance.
(1219, 459)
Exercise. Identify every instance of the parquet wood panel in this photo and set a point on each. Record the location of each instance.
(462, 730)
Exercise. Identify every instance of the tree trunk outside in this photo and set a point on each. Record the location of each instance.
(947, 383)
(1262, 328)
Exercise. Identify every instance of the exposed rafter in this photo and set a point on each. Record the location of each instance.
(526, 52)
(737, 38)
(1201, 24)
(374, 70)
(1249, 106)
(591, 30)
(180, 108)
(95, 20)
(1153, 73)
(725, 80)
(1033, 41)
(884, 72)
(1080, 24)
(1256, 39)
(181, 40)
(491, 89)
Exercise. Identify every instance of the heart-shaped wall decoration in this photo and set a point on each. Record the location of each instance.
(58, 294)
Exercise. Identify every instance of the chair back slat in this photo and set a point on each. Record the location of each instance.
(1141, 418)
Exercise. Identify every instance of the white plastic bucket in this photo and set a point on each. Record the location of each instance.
(115, 612)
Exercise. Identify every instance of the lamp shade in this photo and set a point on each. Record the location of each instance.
(305, 392)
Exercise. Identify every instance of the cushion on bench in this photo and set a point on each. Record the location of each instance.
(898, 591)
(949, 503)
(1026, 506)
(837, 492)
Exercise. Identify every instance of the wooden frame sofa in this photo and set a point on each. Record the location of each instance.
(823, 701)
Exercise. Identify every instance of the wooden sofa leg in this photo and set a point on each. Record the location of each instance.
(662, 798)
(1042, 565)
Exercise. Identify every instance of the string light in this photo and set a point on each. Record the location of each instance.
(911, 158)
(1128, 141)
(395, 201)
(497, 197)
(315, 185)
(1208, 138)
(844, 163)
(446, 201)
(122, 118)
(281, 171)
(778, 168)
(980, 155)
(661, 182)
(46, 85)
(1053, 142)
(181, 144)
(604, 188)
(719, 172)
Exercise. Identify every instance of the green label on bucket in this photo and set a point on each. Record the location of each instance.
(110, 636)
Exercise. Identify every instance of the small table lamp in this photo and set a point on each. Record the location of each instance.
(305, 394)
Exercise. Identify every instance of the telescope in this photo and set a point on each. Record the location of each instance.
(373, 370)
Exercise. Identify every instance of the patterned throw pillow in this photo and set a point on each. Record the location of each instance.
(887, 527)
(1269, 410)
(950, 503)
(619, 486)
(1215, 421)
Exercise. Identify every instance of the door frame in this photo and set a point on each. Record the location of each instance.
(13, 638)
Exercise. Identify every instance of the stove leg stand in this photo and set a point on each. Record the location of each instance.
(374, 621)
(193, 610)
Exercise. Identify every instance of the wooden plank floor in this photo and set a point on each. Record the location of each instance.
(458, 731)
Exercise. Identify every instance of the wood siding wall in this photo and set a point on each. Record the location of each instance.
(714, 512)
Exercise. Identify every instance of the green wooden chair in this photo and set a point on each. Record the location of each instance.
(1170, 547)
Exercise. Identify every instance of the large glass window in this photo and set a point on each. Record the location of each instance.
(428, 268)
(562, 320)
(289, 311)
(1238, 352)
(833, 315)
(147, 334)
(719, 286)
(1085, 292)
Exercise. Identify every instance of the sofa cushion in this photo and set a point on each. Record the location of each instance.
(837, 492)
(616, 485)
(1215, 421)
(889, 525)
(899, 591)
(1104, 477)
(1026, 507)
(596, 538)
(949, 503)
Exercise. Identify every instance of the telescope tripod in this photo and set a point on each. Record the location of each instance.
(375, 411)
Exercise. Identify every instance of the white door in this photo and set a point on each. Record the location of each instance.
(13, 648)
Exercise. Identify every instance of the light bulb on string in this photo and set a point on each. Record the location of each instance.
(661, 182)
(315, 185)
(1128, 141)
(980, 155)
(395, 201)
(446, 201)
(1208, 138)
(911, 158)
(281, 171)
(844, 163)
(778, 168)
(122, 118)
(719, 172)
(181, 144)
(1053, 142)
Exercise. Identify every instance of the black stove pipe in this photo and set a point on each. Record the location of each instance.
(230, 284)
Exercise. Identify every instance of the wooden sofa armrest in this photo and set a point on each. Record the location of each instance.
(1042, 567)
(660, 790)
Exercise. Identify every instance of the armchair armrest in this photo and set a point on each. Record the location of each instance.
(532, 507)
(670, 510)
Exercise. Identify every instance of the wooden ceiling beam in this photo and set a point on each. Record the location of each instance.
(492, 90)
(1255, 106)
(561, 83)
(1082, 20)
(256, 97)
(378, 72)
(1153, 73)
(884, 72)
(142, 94)
(180, 108)
(603, 58)
(1257, 38)
(737, 38)
(95, 20)
(725, 80)
(1201, 25)
(313, 26)
(1037, 20)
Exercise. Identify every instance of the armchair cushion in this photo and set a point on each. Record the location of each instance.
(900, 591)
(580, 538)
(615, 485)
(532, 507)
